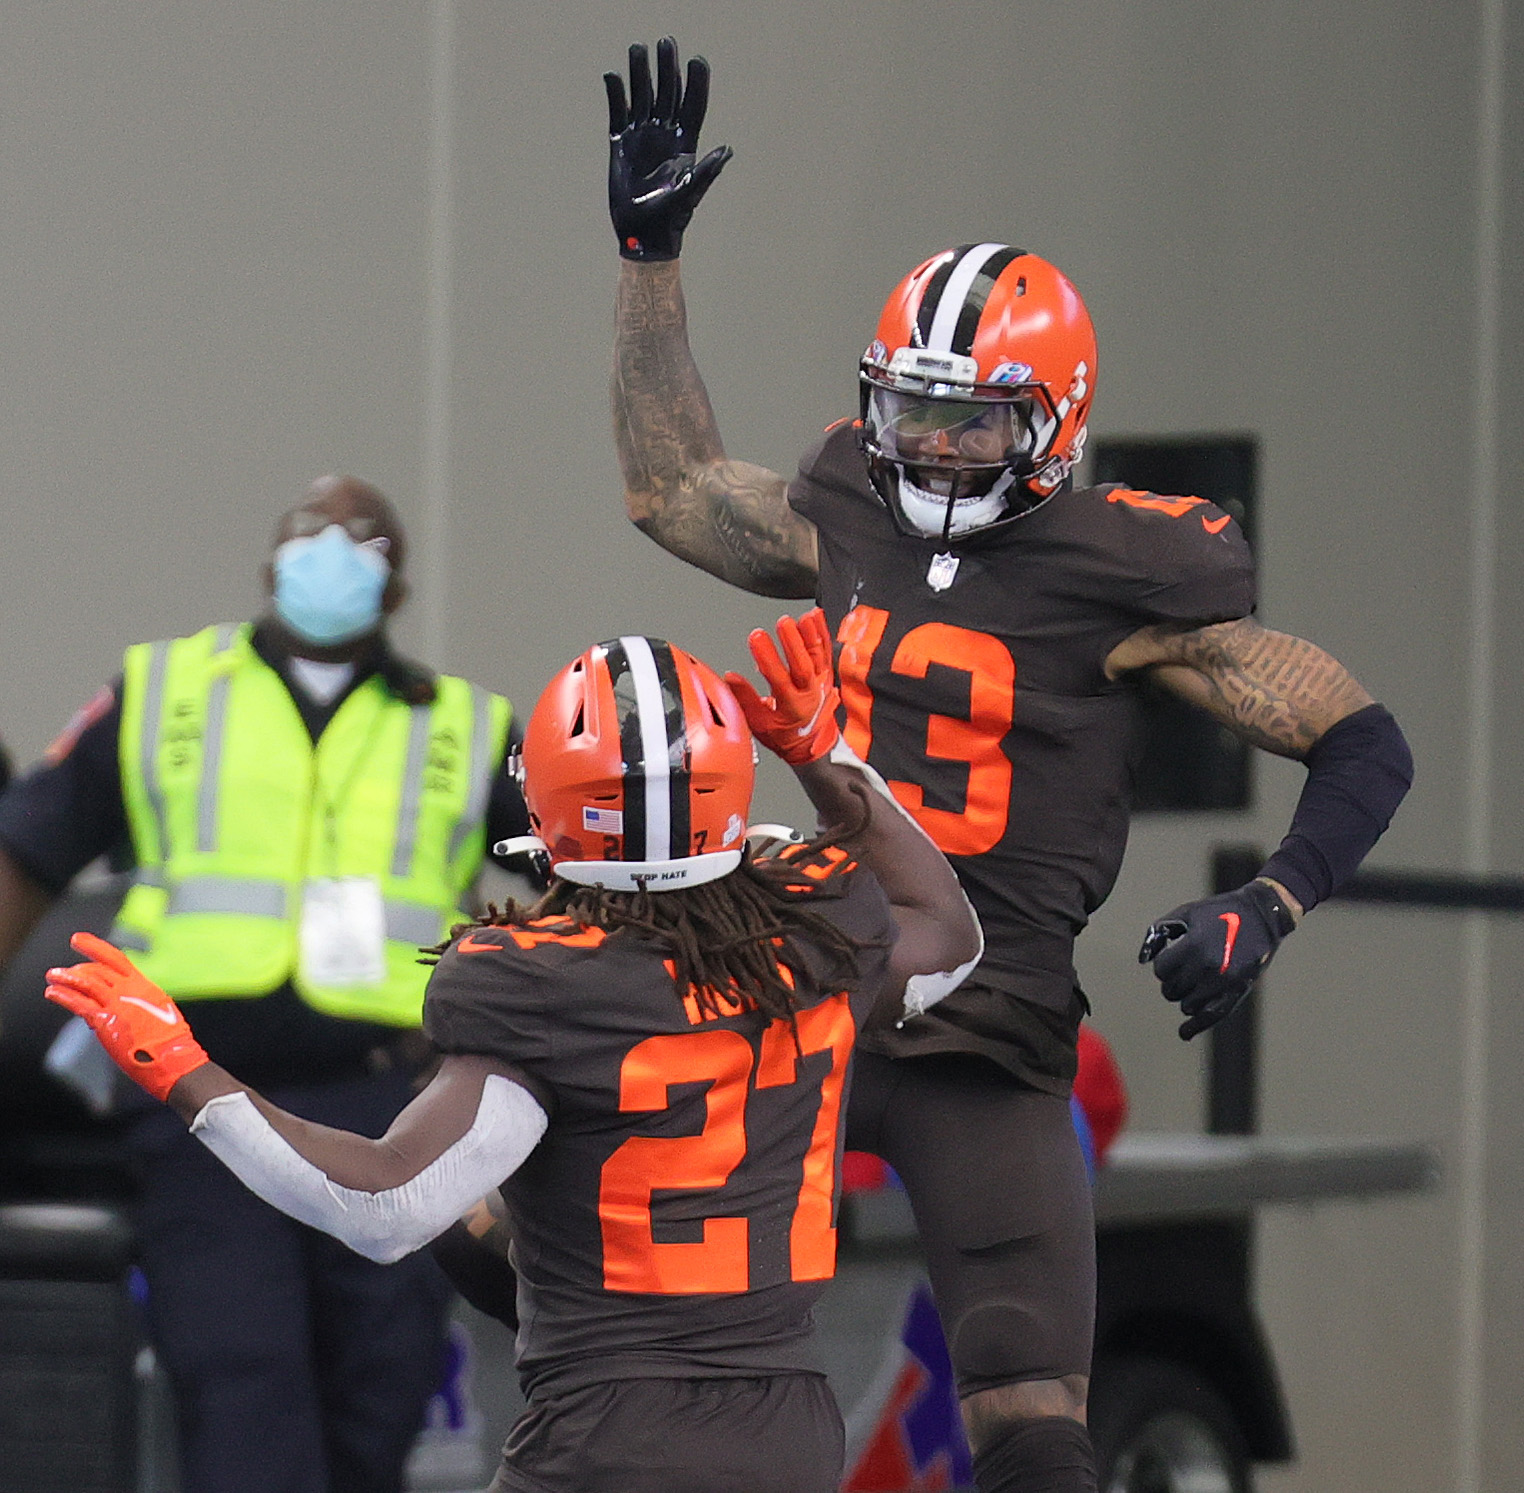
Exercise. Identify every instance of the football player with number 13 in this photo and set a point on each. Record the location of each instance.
(991, 622)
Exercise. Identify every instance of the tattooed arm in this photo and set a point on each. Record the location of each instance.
(729, 518)
(1285, 696)
(1277, 692)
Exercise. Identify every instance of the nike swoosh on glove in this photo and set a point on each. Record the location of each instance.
(140, 1026)
(1208, 954)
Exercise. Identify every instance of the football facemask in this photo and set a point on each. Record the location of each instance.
(975, 390)
(949, 465)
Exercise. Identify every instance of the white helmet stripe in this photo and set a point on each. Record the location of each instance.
(654, 744)
(955, 292)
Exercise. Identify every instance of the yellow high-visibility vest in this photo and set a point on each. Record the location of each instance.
(233, 810)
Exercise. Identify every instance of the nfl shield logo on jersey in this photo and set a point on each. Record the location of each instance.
(940, 573)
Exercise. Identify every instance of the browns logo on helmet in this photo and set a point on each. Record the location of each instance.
(637, 766)
(975, 390)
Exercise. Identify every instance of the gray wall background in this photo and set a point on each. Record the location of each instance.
(245, 245)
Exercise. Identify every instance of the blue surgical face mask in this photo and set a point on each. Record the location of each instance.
(328, 588)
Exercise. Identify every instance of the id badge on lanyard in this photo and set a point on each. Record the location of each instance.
(343, 932)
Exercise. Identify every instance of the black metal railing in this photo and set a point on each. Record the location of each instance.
(1233, 1059)
(1455, 890)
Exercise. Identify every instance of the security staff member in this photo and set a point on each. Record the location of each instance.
(305, 809)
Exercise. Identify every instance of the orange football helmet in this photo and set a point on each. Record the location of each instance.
(975, 390)
(638, 768)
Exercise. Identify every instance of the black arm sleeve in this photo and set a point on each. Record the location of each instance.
(61, 814)
(1357, 773)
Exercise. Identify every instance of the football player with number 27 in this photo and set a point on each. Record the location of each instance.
(991, 622)
(655, 1057)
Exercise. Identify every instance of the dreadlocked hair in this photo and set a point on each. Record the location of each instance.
(728, 941)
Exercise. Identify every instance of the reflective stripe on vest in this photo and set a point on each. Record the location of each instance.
(406, 922)
(211, 747)
(412, 792)
(478, 770)
(153, 716)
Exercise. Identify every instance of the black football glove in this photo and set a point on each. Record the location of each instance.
(1208, 954)
(655, 178)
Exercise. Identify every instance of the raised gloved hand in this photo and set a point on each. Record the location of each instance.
(1208, 954)
(798, 720)
(655, 178)
(135, 1021)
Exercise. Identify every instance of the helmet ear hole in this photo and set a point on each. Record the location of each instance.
(577, 723)
(710, 703)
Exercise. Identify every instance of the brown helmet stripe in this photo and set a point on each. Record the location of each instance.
(955, 296)
(931, 297)
(978, 297)
(653, 743)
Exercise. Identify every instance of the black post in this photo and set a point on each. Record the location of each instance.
(1233, 1063)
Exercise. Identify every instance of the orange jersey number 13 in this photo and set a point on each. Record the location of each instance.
(976, 740)
(720, 1260)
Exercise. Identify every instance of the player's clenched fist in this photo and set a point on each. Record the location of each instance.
(134, 1020)
(798, 720)
(1208, 954)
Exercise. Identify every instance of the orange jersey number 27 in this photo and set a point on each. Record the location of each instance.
(720, 1260)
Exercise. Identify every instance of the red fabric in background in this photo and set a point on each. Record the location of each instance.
(1098, 1087)
(863, 1172)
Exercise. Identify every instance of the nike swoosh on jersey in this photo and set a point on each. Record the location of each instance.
(1215, 525)
(169, 1018)
(1232, 920)
(469, 945)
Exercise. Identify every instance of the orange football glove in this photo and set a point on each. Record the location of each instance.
(136, 1022)
(798, 720)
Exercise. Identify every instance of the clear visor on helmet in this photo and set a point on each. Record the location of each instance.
(920, 430)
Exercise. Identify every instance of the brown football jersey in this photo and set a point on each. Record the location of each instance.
(677, 1219)
(973, 678)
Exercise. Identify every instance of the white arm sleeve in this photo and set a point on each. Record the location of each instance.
(922, 992)
(382, 1226)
